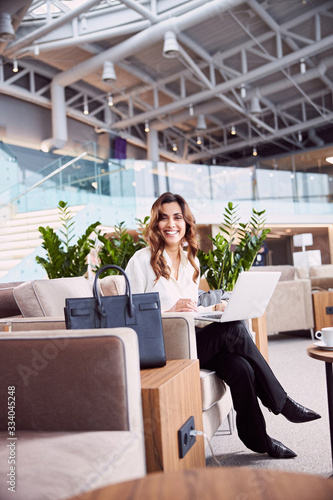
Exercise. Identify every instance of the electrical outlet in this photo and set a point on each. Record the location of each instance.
(329, 310)
(185, 440)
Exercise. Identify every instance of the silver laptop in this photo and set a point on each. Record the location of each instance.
(249, 298)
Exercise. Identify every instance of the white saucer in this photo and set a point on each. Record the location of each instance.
(322, 345)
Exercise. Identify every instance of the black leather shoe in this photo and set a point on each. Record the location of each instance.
(297, 413)
(279, 450)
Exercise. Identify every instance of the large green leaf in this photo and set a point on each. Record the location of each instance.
(65, 260)
(222, 265)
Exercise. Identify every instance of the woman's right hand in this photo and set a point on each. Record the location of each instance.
(184, 305)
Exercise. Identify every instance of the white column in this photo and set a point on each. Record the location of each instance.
(152, 145)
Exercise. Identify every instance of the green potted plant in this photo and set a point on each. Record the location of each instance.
(120, 246)
(64, 259)
(234, 248)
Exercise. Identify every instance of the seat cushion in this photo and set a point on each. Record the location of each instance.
(214, 416)
(212, 388)
(325, 271)
(59, 465)
(112, 285)
(47, 297)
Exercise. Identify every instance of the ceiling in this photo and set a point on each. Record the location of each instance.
(230, 58)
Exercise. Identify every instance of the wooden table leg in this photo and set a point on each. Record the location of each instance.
(259, 327)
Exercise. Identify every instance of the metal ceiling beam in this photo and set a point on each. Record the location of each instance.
(143, 39)
(60, 21)
(82, 39)
(99, 35)
(130, 46)
(253, 75)
(299, 127)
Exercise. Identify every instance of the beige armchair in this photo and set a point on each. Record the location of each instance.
(290, 307)
(78, 413)
(41, 299)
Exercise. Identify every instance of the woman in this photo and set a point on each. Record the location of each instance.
(227, 348)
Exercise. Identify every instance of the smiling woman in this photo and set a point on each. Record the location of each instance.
(226, 348)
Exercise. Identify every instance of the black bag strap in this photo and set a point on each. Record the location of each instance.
(128, 291)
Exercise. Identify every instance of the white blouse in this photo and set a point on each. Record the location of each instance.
(142, 278)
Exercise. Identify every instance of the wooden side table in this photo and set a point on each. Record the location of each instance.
(260, 330)
(170, 395)
(327, 356)
(322, 300)
(218, 483)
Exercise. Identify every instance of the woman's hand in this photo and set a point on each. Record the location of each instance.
(184, 305)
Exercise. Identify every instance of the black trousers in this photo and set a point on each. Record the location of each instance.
(228, 349)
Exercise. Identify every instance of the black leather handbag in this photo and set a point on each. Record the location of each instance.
(141, 311)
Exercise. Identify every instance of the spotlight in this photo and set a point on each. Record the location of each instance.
(199, 141)
(171, 47)
(7, 33)
(233, 130)
(146, 126)
(85, 106)
(110, 100)
(300, 137)
(302, 66)
(243, 91)
(201, 123)
(255, 105)
(15, 66)
(191, 110)
(254, 151)
(174, 147)
(109, 74)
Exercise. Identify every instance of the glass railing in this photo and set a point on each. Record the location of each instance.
(113, 191)
(123, 190)
(80, 180)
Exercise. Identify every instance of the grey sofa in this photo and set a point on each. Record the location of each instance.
(290, 307)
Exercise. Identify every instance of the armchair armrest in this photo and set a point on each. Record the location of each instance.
(179, 336)
(29, 324)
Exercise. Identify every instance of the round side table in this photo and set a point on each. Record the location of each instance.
(326, 356)
(217, 483)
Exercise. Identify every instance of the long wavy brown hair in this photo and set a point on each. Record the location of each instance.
(154, 237)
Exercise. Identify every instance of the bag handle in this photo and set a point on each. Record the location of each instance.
(128, 291)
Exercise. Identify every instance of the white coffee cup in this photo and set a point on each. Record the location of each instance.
(326, 335)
